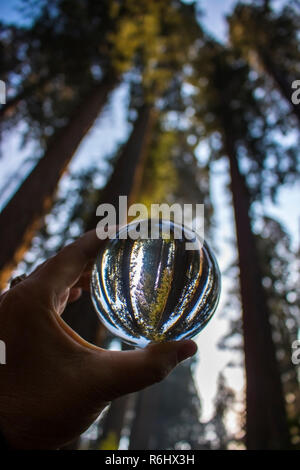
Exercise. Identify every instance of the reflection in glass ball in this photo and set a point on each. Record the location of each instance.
(155, 289)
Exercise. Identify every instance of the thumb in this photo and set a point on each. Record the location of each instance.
(121, 372)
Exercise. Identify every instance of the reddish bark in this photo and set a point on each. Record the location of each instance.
(266, 425)
(124, 181)
(21, 217)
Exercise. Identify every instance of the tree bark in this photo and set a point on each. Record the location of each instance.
(21, 217)
(124, 181)
(125, 178)
(266, 426)
(142, 435)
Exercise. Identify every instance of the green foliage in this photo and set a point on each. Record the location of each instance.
(174, 175)
(259, 29)
(72, 45)
(160, 178)
(229, 110)
(110, 443)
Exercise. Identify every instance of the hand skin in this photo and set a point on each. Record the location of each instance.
(54, 384)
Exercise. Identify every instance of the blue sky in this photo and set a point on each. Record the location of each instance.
(214, 13)
(8, 10)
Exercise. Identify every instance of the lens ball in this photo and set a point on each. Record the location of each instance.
(155, 281)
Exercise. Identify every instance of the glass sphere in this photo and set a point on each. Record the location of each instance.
(153, 287)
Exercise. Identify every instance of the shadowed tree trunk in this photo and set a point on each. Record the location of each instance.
(127, 176)
(22, 215)
(124, 181)
(266, 426)
(112, 424)
(167, 413)
(142, 435)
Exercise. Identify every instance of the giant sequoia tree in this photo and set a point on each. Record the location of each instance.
(228, 109)
(277, 261)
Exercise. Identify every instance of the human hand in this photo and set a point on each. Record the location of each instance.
(54, 384)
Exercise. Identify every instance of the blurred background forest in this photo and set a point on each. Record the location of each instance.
(167, 101)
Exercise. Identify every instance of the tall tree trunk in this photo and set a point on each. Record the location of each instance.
(127, 175)
(21, 217)
(124, 181)
(125, 178)
(266, 426)
(112, 425)
(142, 435)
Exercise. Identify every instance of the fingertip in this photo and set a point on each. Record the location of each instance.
(183, 348)
(188, 348)
(170, 352)
(163, 357)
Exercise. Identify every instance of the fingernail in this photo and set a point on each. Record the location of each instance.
(188, 349)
